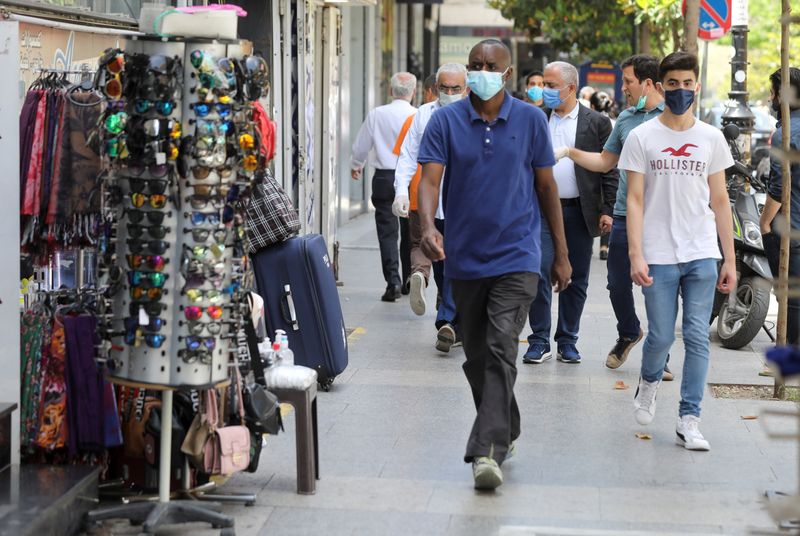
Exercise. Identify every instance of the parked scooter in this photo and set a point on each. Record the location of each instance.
(741, 314)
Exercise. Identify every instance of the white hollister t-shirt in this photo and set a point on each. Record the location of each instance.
(679, 225)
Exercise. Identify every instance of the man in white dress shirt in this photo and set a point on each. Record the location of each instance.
(379, 133)
(451, 82)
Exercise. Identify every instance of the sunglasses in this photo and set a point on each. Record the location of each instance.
(155, 324)
(153, 340)
(116, 147)
(156, 200)
(192, 356)
(210, 268)
(146, 294)
(115, 122)
(193, 342)
(205, 218)
(151, 308)
(162, 107)
(211, 156)
(155, 231)
(157, 171)
(247, 142)
(152, 262)
(201, 252)
(201, 202)
(202, 109)
(156, 128)
(153, 186)
(195, 312)
(201, 235)
(156, 247)
(147, 279)
(250, 162)
(154, 217)
(201, 173)
(196, 295)
(197, 328)
(212, 128)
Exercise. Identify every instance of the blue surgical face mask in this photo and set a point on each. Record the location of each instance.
(552, 98)
(485, 84)
(679, 100)
(535, 93)
(642, 101)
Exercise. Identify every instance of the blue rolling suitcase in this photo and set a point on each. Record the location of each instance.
(295, 278)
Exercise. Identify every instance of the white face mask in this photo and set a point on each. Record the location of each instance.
(445, 99)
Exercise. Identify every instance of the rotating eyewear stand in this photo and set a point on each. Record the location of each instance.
(152, 515)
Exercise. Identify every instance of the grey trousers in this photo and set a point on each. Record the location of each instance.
(491, 314)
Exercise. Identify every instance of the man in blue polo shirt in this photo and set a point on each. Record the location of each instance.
(498, 180)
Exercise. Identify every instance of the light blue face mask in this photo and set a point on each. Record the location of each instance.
(485, 84)
(642, 101)
(535, 93)
(552, 98)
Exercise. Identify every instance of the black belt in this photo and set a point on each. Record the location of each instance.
(574, 202)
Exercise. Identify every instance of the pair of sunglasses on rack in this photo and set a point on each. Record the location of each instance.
(160, 128)
(111, 65)
(208, 127)
(196, 295)
(153, 340)
(202, 173)
(152, 217)
(200, 234)
(203, 109)
(155, 247)
(138, 200)
(147, 279)
(202, 253)
(161, 107)
(253, 77)
(152, 294)
(115, 122)
(154, 324)
(117, 147)
(197, 328)
(193, 342)
(154, 231)
(150, 186)
(195, 312)
(150, 262)
(151, 309)
(137, 169)
(200, 355)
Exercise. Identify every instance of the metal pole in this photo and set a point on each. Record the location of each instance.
(786, 193)
(738, 111)
(165, 456)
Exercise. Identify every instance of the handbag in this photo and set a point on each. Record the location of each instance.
(262, 408)
(200, 430)
(227, 449)
(270, 217)
(134, 426)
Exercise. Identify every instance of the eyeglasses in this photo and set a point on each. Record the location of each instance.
(147, 279)
(155, 324)
(155, 170)
(151, 308)
(161, 107)
(195, 312)
(197, 295)
(201, 235)
(201, 218)
(156, 231)
(156, 247)
(194, 342)
(197, 328)
(156, 200)
(153, 186)
(192, 356)
(152, 262)
(154, 217)
(450, 90)
(201, 173)
(146, 294)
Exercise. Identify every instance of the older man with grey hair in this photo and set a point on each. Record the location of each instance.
(587, 202)
(379, 133)
(451, 84)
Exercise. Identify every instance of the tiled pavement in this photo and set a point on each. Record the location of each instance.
(393, 430)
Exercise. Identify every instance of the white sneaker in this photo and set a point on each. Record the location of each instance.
(645, 401)
(689, 436)
(445, 338)
(417, 293)
(487, 473)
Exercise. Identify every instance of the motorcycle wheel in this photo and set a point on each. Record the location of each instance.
(738, 325)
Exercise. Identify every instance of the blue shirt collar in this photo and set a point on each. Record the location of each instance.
(505, 109)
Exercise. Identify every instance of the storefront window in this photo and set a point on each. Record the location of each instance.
(127, 10)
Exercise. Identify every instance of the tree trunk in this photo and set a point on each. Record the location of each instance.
(675, 26)
(691, 23)
(644, 38)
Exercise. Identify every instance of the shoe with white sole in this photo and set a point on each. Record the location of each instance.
(445, 338)
(417, 294)
(487, 473)
(689, 436)
(644, 401)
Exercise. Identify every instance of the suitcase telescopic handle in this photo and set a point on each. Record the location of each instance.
(289, 313)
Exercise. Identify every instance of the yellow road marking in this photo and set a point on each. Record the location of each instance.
(357, 333)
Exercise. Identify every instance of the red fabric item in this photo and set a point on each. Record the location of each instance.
(266, 128)
(33, 186)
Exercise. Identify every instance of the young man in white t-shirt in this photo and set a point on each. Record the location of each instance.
(677, 208)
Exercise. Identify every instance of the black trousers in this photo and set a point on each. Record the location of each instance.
(387, 225)
(491, 315)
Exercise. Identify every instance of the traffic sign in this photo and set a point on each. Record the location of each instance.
(715, 18)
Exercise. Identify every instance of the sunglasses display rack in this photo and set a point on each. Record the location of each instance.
(181, 150)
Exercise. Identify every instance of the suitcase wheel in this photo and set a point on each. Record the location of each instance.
(326, 384)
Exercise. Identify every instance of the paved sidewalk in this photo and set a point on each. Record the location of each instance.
(393, 432)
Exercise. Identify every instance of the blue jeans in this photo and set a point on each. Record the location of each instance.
(620, 286)
(446, 309)
(695, 282)
(571, 300)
